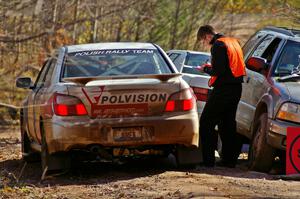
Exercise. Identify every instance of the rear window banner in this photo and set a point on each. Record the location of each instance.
(293, 151)
(112, 52)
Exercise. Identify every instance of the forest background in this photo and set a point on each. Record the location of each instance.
(30, 30)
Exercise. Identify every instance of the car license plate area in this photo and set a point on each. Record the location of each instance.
(127, 134)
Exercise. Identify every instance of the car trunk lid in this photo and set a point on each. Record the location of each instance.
(124, 96)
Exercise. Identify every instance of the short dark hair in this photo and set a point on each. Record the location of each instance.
(205, 30)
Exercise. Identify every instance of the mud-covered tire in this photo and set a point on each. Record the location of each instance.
(188, 156)
(261, 154)
(52, 163)
(28, 155)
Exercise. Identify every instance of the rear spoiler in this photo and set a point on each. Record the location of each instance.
(85, 80)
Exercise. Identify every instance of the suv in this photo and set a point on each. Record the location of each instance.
(270, 100)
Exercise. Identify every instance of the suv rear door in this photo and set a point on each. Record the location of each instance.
(255, 83)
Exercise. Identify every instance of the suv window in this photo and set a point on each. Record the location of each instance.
(271, 49)
(289, 59)
(252, 42)
(262, 46)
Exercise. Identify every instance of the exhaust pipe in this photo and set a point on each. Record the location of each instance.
(100, 152)
(95, 149)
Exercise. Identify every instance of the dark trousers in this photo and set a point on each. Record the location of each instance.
(220, 110)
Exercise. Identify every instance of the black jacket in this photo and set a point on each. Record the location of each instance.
(220, 64)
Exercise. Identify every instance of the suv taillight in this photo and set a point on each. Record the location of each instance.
(201, 93)
(181, 101)
(66, 105)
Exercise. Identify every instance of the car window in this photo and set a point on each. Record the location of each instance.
(174, 56)
(262, 46)
(114, 62)
(192, 70)
(193, 59)
(49, 74)
(252, 42)
(289, 59)
(41, 76)
(271, 49)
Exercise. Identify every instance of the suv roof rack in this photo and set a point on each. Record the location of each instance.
(284, 30)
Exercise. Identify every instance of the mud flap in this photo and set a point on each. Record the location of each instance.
(58, 162)
(188, 155)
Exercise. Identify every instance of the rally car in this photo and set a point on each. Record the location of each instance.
(108, 100)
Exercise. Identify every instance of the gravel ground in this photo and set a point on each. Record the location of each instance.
(152, 178)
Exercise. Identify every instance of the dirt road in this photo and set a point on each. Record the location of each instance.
(156, 178)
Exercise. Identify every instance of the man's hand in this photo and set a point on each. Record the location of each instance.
(201, 68)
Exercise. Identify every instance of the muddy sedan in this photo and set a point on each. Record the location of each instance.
(107, 101)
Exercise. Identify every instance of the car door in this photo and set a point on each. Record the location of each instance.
(31, 101)
(246, 109)
(42, 96)
(256, 83)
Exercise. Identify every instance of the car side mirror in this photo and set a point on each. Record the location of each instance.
(256, 64)
(24, 82)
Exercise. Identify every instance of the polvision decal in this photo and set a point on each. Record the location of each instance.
(107, 104)
(132, 98)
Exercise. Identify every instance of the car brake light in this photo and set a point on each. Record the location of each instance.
(66, 105)
(181, 101)
(188, 104)
(201, 93)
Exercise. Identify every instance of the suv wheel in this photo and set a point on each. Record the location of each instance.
(261, 154)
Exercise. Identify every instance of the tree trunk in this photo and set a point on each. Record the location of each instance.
(74, 19)
(175, 23)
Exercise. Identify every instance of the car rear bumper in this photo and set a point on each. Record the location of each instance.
(66, 133)
(276, 136)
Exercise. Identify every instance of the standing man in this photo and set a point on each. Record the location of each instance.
(227, 71)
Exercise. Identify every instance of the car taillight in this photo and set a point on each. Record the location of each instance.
(66, 105)
(201, 93)
(170, 106)
(181, 101)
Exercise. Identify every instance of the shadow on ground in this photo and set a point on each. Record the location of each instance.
(102, 173)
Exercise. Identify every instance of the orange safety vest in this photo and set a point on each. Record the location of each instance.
(235, 57)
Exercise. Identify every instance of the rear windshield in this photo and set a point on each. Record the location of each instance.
(114, 62)
(193, 70)
(196, 59)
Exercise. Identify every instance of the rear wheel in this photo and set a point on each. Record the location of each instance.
(28, 154)
(52, 163)
(261, 154)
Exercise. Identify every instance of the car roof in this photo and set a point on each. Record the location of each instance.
(287, 33)
(109, 46)
(190, 51)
